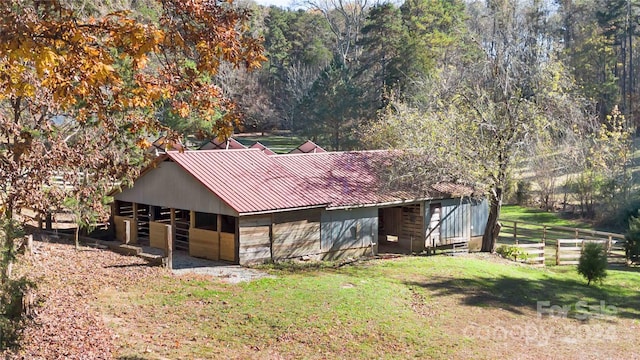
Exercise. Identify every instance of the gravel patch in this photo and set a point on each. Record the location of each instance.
(184, 264)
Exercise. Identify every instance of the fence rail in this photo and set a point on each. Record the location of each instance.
(562, 245)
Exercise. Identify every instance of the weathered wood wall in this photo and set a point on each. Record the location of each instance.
(255, 239)
(413, 230)
(204, 244)
(158, 233)
(121, 228)
(392, 221)
(227, 247)
(295, 234)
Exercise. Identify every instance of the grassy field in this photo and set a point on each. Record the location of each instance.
(411, 307)
(532, 215)
(280, 144)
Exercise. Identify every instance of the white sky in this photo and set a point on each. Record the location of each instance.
(281, 3)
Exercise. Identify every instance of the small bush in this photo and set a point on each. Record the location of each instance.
(593, 263)
(632, 238)
(512, 252)
(12, 310)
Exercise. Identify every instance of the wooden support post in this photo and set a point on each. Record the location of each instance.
(558, 252)
(219, 229)
(577, 233)
(544, 234)
(127, 231)
(40, 223)
(515, 232)
(171, 238)
(48, 221)
(134, 224)
(192, 219)
(543, 247)
(609, 244)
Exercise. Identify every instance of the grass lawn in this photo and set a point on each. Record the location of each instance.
(475, 306)
(532, 215)
(280, 144)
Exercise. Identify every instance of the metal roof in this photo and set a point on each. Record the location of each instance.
(221, 144)
(252, 182)
(247, 180)
(307, 147)
(259, 145)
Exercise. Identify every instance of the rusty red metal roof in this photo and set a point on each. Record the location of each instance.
(307, 147)
(251, 181)
(259, 145)
(221, 144)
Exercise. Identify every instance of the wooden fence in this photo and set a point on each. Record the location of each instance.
(562, 245)
(568, 251)
(535, 252)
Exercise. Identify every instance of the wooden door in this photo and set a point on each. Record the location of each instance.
(433, 230)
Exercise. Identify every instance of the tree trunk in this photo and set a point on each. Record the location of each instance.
(77, 237)
(493, 227)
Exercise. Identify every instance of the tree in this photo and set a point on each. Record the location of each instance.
(477, 119)
(75, 92)
(381, 43)
(593, 263)
(331, 109)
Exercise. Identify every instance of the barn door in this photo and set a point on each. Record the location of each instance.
(433, 230)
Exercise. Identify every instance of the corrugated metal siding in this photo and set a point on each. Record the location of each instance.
(479, 216)
(344, 229)
(455, 219)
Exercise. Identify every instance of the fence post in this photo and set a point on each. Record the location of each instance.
(576, 233)
(609, 244)
(515, 232)
(558, 252)
(544, 256)
(544, 233)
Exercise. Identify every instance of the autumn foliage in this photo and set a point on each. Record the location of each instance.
(76, 93)
(79, 95)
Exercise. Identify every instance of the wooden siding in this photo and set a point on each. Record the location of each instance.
(170, 186)
(158, 233)
(412, 232)
(255, 239)
(121, 226)
(204, 244)
(295, 234)
(227, 246)
(392, 218)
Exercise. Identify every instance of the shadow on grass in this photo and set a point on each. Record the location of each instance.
(517, 295)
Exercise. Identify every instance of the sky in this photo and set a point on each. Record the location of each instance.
(281, 3)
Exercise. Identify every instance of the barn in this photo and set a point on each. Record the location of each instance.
(246, 206)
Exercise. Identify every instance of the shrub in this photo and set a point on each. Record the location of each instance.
(593, 263)
(632, 238)
(512, 252)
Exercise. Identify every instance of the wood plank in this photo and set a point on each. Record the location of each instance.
(569, 256)
(204, 244)
(227, 247)
(157, 234)
(565, 262)
(527, 246)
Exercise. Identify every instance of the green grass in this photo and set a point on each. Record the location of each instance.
(531, 215)
(408, 307)
(278, 143)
